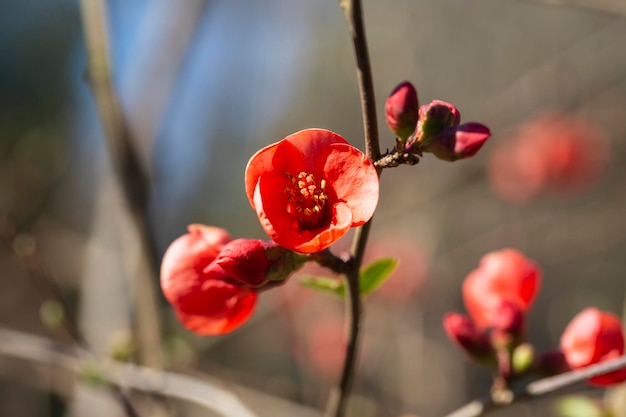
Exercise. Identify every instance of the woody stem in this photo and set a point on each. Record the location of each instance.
(338, 399)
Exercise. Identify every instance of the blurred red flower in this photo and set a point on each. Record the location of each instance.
(502, 276)
(409, 277)
(594, 336)
(206, 299)
(310, 188)
(558, 151)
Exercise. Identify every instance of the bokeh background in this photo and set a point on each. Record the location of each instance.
(204, 83)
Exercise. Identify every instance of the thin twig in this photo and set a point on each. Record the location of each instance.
(338, 399)
(616, 7)
(49, 289)
(392, 159)
(124, 375)
(539, 388)
(354, 15)
(129, 171)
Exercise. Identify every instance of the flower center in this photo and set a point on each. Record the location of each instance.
(306, 200)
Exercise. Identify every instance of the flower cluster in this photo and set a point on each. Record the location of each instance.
(434, 127)
(308, 190)
(497, 296)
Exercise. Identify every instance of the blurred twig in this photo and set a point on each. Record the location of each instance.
(130, 173)
(538, 388)
(123, 375)
(49, 290)
(605, 6)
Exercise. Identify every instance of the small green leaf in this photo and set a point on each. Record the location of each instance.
(325, 284)
(373, 275)
(578, 406)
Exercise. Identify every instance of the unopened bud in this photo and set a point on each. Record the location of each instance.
(523, 358)
(462, 331)
(244, 260)
(401, 110)
(508, 324)
(434, 118)
(255, 262)
(459, 143)
(282, 261)
(551, 363)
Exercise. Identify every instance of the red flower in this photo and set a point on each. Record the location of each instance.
(506, 275)
(554, 152)
(594, 336)
(206, 299)
(310, 188)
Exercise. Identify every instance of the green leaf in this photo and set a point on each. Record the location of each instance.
(373, 275)
(578, 406)
(325, 284)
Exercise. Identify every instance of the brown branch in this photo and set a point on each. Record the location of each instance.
(129, 171)
(537, 388)
(338, 399)
(392, 159)
(354, 15)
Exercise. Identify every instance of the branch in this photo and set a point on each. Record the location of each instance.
(354, 15)
(617, 7)
(338, 399)
(123, 375)
(537, 388)
(129, 171)
(396, 158)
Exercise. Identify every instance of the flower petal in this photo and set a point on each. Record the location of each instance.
(297, 152)
(352, 177)
(215, 325)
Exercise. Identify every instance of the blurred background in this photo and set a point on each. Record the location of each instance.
(202, 85)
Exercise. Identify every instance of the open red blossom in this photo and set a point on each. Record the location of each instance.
(310, 188)
(505, 275)
(594, 336)
(206, 300)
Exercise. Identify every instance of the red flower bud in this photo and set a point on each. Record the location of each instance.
(206, 302)
(462, 331)
(244, 260)
(594, 336)
(506, 275)
(460, 143)
(551, 363)
(434, 118)
(508, 324)
(401, 110)
(255, 262)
